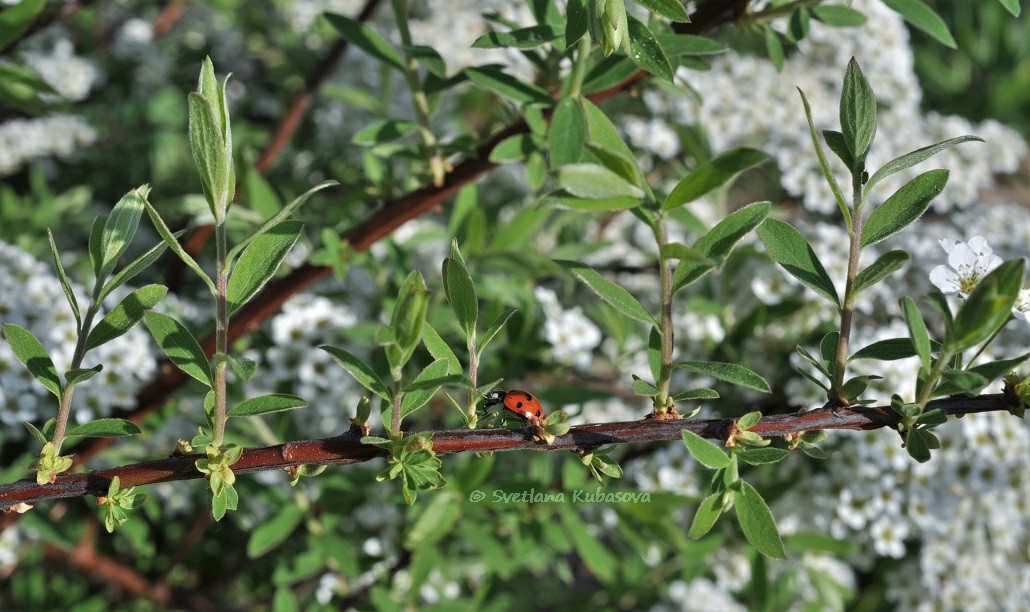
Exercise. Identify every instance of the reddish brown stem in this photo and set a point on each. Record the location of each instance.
(347, 448)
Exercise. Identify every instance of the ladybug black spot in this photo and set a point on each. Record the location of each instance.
(518, 405)
(529, 397)
(538, 413)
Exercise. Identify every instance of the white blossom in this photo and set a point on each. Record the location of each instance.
(968, 264)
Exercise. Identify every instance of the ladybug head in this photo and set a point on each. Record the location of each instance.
(493, 398)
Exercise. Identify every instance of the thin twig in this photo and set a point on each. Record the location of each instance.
(347, 448)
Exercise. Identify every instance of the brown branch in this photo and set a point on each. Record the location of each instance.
(44, 21)
(347, 449)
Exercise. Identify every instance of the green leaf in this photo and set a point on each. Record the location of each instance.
(383, 131)
(78, 375)
(916, 445)
(260, 261)
(366, 39)
(757, 522)
(917, 331)
(616, 296)
(523, 38)
(773, 46)
(576, 21)
(622, 166)
(274, 531)
(707, 513)
(37, 434)
(512, 149)
(408, 319)
(494, 329)
(15, 19)
(567, 133)
(675, 250)
(925, 18)
(120, 227)
(173, 243)
(670, 9)
(696, 394)
(209, 153)
(277, 219)
(987, 308)
(65, 285)
(595, 182)
(965, 381)
(1011, 6)
(179, 344)
(504, 84)
(838, 15)
(564, 199)
(645, 51)
(717, 243)
(919, 155)
(713, 175)
(267, 404)
(130, 271)
(439, 349)
(104, 428)
(654, 353)
(127, 313)
(815, 541)
(644, 388)
(461, 294)
(760, 456)
(885, 265)
(904, 207)
(891, 349)
(95, 255)
(31, 353)
(359, 370)
(729, 372)
(705, 452)
(827, 173)
(419, 397)
(835, 140)
(789, 248)
(857, 113)
(243, 367)
(595, 555)
(749, 420)
(689, 45)
(602, 131)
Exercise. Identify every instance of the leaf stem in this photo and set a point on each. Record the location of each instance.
(221, 334)
(985, 344)
(65, 409)
(847, 311)
(419, 99)
(579, 69)
(473, 417)
(666, 331)
(395, 414)
(931, 378)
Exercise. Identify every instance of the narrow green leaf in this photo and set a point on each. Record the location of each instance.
(512, 149)
(757, 522)
(568, 131)
(670, 9)
(618, 163)
(408, 318)
(904, 207)
(65, 285)
(383, 131)
(260, 261)
(917, 330)
(366, 39)
(522, 38)
(816, 541)
(461, 294)
(705, 452)
(616, 296)
(675, 250)
(274, 531)
(707, 513)
(713, 175)
(266, 404)
(37, 434)
(885, 265)
(96, 256)
(359, 370)
(644, 388)
(139, 264)
(31, 353)
(564, 199)
(925, 18)
(15, 19)
(277, 219)
(773, 46)
(988, 307)
(419, 396)
(602, 131)
(120, 228)
(827, 173)
(729, 372)
(789, 248)
(919, 155)
(576, 21)
(209, 152)
(760, 456)
(645, 51)
(857, 113)
(179, 344)
(838, 15)
(718, 243)
(173, 243)
(835, 140)
(504, 84)
(916, 445)
(127, 313)
(1011, 6)
(891, 349)
(689, 45)
(595, 182)
(78, 375)
(654, 353)
(495, 328)
(104, 428)
(696, 394)
(439, 349)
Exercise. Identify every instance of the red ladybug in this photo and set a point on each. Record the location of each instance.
(520, 403)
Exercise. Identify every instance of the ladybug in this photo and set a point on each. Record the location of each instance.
(519, 403)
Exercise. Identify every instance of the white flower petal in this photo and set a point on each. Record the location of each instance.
(948, 243)
(962, 258)
(945, 279)
(980, 246)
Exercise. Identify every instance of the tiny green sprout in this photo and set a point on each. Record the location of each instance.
(359, 423)
(601, 464)
(50, 464)
(739, 433)
(307, 471)
(807, 441)
(117, 502)
(551, 427)
(1018, 392)
(412, 460)
(217, 468)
